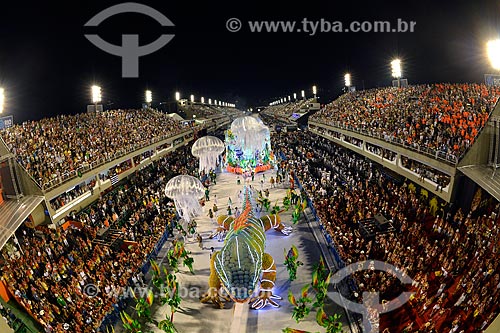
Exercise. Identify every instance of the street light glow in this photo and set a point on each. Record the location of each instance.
(314, 90)
(347, 79)
(493, 49)
(294, 95)
(303, 94)
(177, 95)
(149, 96)
(396, 68)
(192, 98)
(2, 99)
(202, 100)
(96, 94)
(209, 101)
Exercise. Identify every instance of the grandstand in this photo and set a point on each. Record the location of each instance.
(291, 113)
(425, 133)
(370, 163)
(53, 168)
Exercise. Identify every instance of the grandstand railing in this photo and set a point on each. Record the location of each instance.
(66, 176)
(431, 152)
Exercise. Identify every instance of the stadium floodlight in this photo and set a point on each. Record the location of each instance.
(202, 100)
(303, 94)
(396, 68)
(493, 49)
(294, 95)
(192, 98)
(314, 91)
(209, 101)
(149, 96)
(215, 102)
(177, 95)
(289, 98)
(347, 79)
(2, 99)
(96, 94)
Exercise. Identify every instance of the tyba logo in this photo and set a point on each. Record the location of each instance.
(130, 50)
(371, 309)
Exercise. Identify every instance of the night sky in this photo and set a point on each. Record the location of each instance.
(47, 65)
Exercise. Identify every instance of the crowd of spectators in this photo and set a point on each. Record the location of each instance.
(71, 195)
(52, 149)
(451, 257)
(205, 111)
(51, 278)
(382, 152)
(426, 172)
(443, 117)
(285, 110)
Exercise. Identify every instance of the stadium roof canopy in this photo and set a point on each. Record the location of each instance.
(13, 213)
(485, 177)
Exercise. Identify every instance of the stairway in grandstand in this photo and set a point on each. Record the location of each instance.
(109, 237)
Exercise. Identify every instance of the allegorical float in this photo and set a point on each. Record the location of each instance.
(248, 146)
(242, 265)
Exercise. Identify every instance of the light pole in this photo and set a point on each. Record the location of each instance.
(2, 99)
(96, 95)
(396, 70)
(493, 49)
(347, 80)
(149, 98)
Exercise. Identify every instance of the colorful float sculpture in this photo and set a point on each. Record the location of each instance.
(242, 263)
(248, 146)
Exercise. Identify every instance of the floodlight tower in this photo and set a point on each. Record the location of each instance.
(493, 50)
(396, 70)
(96, 95)
(149, 98)
(347, 80)
(2, 99)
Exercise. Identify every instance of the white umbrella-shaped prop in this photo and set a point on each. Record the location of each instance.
(208, 149)
(186, 191)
